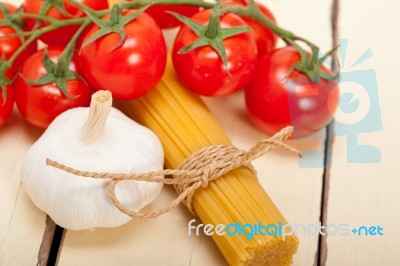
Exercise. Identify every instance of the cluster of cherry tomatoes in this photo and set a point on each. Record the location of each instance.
(276, 95)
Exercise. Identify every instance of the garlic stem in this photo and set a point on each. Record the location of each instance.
(100, 107)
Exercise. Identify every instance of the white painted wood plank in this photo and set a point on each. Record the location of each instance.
(22, 225)
(296, 190)
(366, 194)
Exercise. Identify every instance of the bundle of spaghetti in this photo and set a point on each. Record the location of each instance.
(185, 125)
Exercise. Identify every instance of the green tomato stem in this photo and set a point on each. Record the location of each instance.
(83, 7)
(65, 58)
(140, 3)
(254, 13)
(115, 15)
(39, 32)
(213, 25)
(25, 44)
(37, 16)
(251, 11)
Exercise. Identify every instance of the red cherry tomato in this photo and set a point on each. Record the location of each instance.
(32, 48)
(9, 45)
(265, 38)
(165, 20)
(130, 70)
(275, 100)
(63, 35)
(6, 105)
(202, 70)
(39, 105)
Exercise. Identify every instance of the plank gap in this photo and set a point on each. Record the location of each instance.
(47, 242)
(55, 245)
(322, 254)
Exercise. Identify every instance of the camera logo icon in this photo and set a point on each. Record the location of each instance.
(358, 111)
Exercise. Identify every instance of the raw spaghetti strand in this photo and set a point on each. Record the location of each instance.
(196, 171)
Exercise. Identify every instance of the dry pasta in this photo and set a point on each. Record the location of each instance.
(185, 125)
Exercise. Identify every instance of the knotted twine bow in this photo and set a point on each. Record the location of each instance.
(196, 171)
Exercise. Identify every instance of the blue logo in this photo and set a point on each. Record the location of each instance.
(282, 230)
(358, 111)
(368, 231)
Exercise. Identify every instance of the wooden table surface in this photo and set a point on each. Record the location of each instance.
(349, 174)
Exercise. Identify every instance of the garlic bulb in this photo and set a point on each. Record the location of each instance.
(96, 139)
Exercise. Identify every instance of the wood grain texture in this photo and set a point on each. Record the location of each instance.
(22, 225)
(366, 194)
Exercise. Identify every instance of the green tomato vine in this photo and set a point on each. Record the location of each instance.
(210, 35)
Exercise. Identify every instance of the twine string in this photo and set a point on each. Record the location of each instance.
(197, 171)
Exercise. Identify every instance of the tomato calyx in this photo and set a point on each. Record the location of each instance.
(57, 73)
(211, 35)
(311, 65)
(116, 24)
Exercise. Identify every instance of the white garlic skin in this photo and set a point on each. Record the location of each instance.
(79, 203)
